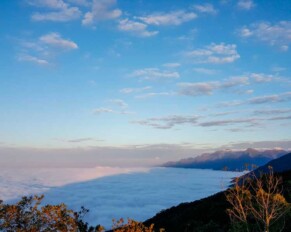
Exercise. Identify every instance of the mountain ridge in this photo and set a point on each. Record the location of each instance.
(229, 160)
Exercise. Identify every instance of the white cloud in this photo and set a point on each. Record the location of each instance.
(55, 40)
(134, 90)
(261, 78)
(136, 28)
(206, 8)
(62, 11)
(246, 32)
(215, 53)
(33, 59)
(62, 16)
(51, 4)
(171, 18)
(101, 10)
(154, 74)
(246, 4)
(278, 34)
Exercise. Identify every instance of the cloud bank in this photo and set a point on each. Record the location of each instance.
(134, 195)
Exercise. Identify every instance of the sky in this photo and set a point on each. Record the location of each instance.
(142, 81)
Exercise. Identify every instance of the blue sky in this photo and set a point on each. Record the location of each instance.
(83, 74)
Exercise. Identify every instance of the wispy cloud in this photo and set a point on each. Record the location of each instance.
(215, 53)
(134, 90)
(155, 94)
(102, 10)
(55, 40)
(135, 28)
(81, 140)
(267, 144)
(280, 118)
(43, 49)
(172, 65)
(205, 8)
(245, 4)
(283, 97)
(196, 89)
(261, 77)
(154, 74)
(59, 11)
(167, 122)
(119, 103)
(169, 18)
(33, 59)
(230, 122)
(80, 2)
(206, 71)
(233, 83)
(110, 111)
(278, 34)
(267, 99)
(271, 111)
(207, 88)
(171, 121)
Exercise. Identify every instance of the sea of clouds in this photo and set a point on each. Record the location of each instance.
(108, 192)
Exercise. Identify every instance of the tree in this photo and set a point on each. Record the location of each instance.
(257, 199)
(132, 226)
(28, 215)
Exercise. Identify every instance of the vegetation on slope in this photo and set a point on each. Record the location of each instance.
(210, 214)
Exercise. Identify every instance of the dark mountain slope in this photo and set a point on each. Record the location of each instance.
(279, 165)
(209, 214)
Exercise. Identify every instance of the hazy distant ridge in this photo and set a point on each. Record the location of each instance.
(229, 160)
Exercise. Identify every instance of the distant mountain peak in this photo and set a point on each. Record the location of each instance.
(228, 159)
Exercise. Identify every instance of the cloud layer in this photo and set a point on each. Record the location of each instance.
(135, 195)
